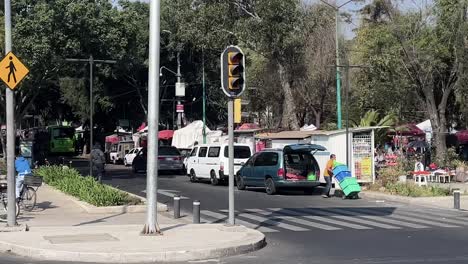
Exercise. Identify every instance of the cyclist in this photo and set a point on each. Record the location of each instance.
(22, 168)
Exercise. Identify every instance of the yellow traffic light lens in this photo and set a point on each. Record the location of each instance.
(235, 57)
(235, 83)
(235, 70)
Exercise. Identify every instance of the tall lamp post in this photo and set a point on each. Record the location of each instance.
(338, 74)
(91, 62)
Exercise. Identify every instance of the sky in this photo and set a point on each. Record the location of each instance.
(354, 7)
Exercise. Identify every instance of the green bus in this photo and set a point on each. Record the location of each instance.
(62, 140)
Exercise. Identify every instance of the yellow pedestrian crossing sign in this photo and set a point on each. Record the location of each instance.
(12, 70)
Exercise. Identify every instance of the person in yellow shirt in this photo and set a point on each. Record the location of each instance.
(328, 173)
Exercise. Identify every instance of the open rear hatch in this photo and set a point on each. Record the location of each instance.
(299, 162)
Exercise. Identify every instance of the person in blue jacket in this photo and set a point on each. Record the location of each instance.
(22, 168)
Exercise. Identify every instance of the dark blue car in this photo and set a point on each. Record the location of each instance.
(294, 166)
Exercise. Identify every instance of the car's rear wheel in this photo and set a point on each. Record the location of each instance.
(240, 182)
(309, 191)
(213, 179)
(270, 187)
(193, 176)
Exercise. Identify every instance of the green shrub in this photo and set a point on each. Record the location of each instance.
(412, 190)
(86, 189)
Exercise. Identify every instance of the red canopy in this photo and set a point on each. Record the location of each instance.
(247, 126)
(407, 130)
(166, 134)
(462, 136)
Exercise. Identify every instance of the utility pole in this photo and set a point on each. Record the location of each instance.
(179, 114)
(337, 49)
(151, 227)
(204, 97)
(91, 62)
(347, 89)
(11, 137)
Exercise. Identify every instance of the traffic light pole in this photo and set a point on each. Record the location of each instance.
(231, 159)
(151, 227)
(10, 120)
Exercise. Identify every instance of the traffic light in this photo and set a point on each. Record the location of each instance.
(233, 71)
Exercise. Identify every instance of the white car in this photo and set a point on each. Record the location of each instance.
(211, 161)
(128, 159)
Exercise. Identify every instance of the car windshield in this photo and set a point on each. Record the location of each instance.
(63, 132)
(168, 151)
(240, 152)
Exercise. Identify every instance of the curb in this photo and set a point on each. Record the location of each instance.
(91, 209)
(254, 240)
(433, 202)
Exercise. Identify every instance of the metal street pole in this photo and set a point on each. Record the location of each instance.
(338, 74)
(91, 113)
(204, 97)
(231, 159)
(151, 227)
(337, 49)
(179, 115)
(11, 137)
(348, 84)
(91, 62)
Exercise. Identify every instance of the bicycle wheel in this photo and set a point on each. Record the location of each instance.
(3, 211)
(28, 199)
(5, 208)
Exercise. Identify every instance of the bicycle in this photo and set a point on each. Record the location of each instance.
(28, 197)
(4, 202)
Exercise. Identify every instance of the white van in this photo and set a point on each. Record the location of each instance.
(211, 161)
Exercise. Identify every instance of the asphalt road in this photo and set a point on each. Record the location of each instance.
(309, 229)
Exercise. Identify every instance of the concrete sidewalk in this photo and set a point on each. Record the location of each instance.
(444, 202)
(60, 230)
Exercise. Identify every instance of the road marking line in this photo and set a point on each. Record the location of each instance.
(169, 193)
(219, 216)
(380, 219)
(297, 211)
(440, 219)
(354, 219)
(273, 222)
(419, 220)
(293, 218)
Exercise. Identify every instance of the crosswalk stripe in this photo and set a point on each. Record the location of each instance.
(439, 218)
(428, 211)
(384, 219)
(273, 222)
(417, 220)
(358, 220)
(219, 216)
(307, 223)
(293, 211)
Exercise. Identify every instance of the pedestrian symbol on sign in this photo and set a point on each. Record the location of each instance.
(12, 70)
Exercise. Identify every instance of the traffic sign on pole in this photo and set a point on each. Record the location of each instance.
(13, 70)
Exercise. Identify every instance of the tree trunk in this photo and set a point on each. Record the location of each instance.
(289, 118)
(318, 118)
(438, 123)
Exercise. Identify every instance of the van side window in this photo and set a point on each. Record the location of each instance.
(194, 152)
(214, 152)
(203, 152)
(266, 159)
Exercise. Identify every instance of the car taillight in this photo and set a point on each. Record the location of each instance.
(177, 158)
(281, 173)
(221, 166)
(161, 158)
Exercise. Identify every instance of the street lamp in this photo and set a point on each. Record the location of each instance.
(179, 84)
(91, 62)
(338, 74)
